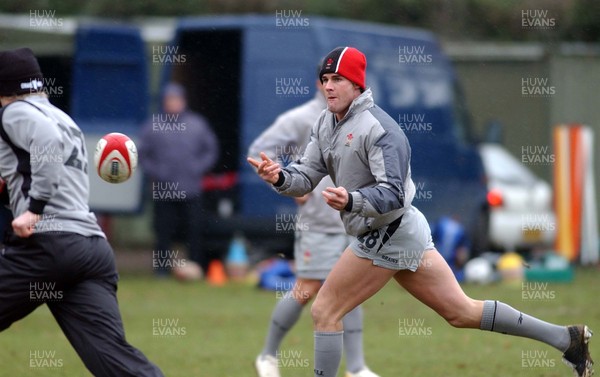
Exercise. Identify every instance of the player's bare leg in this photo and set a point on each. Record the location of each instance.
(305, 290)
(434, 284)
(351, 282)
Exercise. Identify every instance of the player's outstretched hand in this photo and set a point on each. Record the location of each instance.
(24, 224)
(266, 169)
(336, 197)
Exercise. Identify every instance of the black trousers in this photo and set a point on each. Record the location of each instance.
(184, 219)
(77, 278)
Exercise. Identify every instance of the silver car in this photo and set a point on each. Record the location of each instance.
(521, 215)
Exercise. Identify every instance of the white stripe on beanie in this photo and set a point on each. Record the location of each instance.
(337, 67)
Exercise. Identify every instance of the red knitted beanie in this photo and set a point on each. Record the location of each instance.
(347, 62)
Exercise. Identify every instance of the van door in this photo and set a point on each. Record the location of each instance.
(279, 74)
(110, 94)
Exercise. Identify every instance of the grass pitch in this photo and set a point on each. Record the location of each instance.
(199, 330)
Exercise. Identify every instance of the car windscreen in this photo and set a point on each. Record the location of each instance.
(502, 167)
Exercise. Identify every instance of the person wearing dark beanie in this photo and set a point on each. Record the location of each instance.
(368, 158)
(20, 73)
(54, 251)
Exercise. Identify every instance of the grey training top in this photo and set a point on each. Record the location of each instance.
(43, 161)
(286, 139)
(368, 154)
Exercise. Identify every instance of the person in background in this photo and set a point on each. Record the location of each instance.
(452, 242)
(176, 149)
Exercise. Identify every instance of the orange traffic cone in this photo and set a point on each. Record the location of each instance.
(216, 273)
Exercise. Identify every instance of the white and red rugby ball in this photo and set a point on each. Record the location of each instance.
(115, 157)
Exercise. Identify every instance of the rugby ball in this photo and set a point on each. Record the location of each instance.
(115, 157)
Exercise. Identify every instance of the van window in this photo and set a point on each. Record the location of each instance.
(57, 79)
(462, 120)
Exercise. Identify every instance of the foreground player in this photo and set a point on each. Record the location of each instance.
(319, 242)
(368, 156)
(56, 253)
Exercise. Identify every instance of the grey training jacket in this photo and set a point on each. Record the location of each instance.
(44, 162)
(284, 141)
(366, 153)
